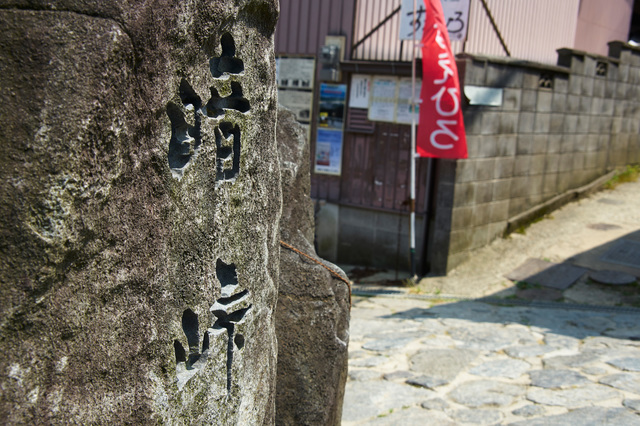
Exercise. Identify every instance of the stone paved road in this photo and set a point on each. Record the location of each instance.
(411, 363)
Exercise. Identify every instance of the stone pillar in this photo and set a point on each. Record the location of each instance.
(312, 319)
(141, 196)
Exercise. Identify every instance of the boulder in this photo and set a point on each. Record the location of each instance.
(312, 316)
(141, 195)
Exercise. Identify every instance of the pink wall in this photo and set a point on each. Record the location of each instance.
(601, 21)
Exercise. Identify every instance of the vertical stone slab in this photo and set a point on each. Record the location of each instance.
(312, 318)
(141, 196)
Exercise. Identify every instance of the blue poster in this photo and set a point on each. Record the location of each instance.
(328, 151)
(332, 101)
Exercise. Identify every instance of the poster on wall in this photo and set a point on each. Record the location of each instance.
(295, 72)
(298, 101)
(295, 76)
(383, 99)
(328, 158)
(331, 109)
(456, 15)
(359, 94)
(403, 112)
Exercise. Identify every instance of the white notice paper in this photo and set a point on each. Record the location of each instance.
(403, 114)
(360, 88)
(383, 99)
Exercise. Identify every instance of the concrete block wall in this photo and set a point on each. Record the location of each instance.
(558, 128)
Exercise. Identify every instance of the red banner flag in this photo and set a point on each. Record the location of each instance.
(441, 129)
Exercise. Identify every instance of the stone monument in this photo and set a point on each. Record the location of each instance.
(141, 195)
(312, 317)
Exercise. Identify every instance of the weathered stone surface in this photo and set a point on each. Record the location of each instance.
(485, 392)
(312, 317)
(633, 404)
(412, 417)
(624, 381)
(365, 400)
(529, 411)
(371, 361)
(428, 382)
(398, 375)
(511, 368)
(139, 184)
(489, 337)
(571, 361)
(530, 351)
(589, 416)
(438, 404)
(561, 342)
(383, 345)
(482, 416)
(442, 365)
(612, 277)
(594, 370)
(557, 379)
(363, 374)
(627, 363)
(572, 398)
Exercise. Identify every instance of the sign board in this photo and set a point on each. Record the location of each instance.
(360, 88)
(298, 101)
(328, 158)
(295, 72)
(382, 102)
(295, 76)
(332, 102)
(489, 96)
(390, 99)
(403, 110)
(456, 15)
(329, 136)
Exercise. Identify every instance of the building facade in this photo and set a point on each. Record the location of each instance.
(362, 192)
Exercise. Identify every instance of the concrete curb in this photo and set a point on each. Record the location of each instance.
(555, 203)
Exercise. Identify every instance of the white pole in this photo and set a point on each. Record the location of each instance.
(412, 202)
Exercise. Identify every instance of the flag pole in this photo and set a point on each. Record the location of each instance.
(412, 201)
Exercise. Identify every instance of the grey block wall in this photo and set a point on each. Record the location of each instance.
(558, 128)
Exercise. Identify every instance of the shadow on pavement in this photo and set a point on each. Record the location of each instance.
(576, 323)
(605, 275)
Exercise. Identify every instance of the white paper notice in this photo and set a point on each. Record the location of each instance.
(360, 88)
(403, 114)
(295, 72)
(383, 100)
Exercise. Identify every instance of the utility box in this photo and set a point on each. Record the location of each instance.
(330, 63)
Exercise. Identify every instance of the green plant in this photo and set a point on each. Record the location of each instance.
(523, 285)
(408, 282)
(386, 414)
(629, 174)
(415, 290)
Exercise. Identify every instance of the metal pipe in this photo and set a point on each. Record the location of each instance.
(495, 26)
(412, 153)
(376, 28)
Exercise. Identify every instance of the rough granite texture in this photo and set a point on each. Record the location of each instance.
(312, 317)
(141, 196)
